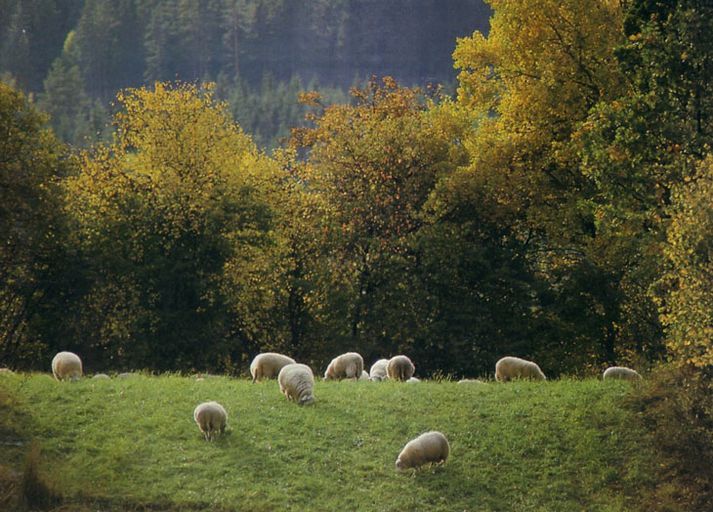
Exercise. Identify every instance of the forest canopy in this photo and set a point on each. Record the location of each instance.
(558, 207)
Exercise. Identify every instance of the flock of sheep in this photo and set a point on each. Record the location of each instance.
(296, 382)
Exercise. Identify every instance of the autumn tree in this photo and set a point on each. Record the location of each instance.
(372, 165)
(175, 226)
(532, 82)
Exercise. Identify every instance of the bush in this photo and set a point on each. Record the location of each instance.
(676, 406)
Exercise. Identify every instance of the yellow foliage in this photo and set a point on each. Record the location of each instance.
(530, 83)
(687, 307)
(182, 180)
(178, 150)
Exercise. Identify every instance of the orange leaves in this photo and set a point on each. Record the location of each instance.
(374, 163)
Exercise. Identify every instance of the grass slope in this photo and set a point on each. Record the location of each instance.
(556, 446)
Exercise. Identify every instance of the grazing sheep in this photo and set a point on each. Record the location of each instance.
(211, 418)
(509, 368)
(378, 370)
(428, 448)
(6, 371)
(67, 365)
(346, 366)
(268, 365)
(621, 373)
(101, 376)
(400, 368)
(413, 380)
(364, 375)
(297, 383)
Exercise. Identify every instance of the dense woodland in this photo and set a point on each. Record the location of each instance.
(74, 55)
(559, 208)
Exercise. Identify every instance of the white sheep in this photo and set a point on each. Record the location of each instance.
(346, 366)
(268, 365)
(67, 365)
(297, 383)
(413, 380)
(621, 373)
(400, 368)
(6, 371)
(211, 418)
(101, 376)
(509, 368)
(378, 370)
(428, 448)
(364, 375)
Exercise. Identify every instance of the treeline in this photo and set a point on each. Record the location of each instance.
(559, 209)
(76, 54)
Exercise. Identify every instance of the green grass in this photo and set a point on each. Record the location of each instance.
(557, 446)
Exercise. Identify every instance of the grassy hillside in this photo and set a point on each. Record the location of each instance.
(129, 444)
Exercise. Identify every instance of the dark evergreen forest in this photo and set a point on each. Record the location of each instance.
(74, 55)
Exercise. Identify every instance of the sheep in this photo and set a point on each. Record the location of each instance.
(211, 419)
(509, 368)
(67, 365)
(268, 364)
(400, 368)
(101, 376)
(6, 371)
(378, 370)
(413, 380)
(428, 448)
(346, 366)
(364, 375)
(297, 383)
(621, 373)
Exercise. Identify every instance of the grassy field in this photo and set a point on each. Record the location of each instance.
(132, 444)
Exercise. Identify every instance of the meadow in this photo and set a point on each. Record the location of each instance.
(132, 444)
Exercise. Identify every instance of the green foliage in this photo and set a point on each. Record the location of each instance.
(270, 111)
(74, 117)
(474, 275)
(639, 147)
(31, 37)
(109, 46)
(126, 443)
(31, 162)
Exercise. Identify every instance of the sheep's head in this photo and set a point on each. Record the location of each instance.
(328, 373)
(306, 400)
